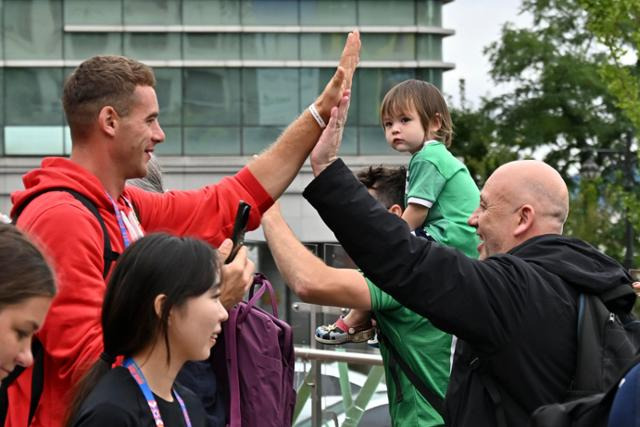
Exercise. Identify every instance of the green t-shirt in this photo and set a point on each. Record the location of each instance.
(442, 183)
(426, 349)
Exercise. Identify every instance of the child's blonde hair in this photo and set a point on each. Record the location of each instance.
(428, 102)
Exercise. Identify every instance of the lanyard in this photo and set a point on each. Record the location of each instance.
(137, 375)
(123, 230)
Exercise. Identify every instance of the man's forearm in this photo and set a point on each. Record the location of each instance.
(280, 163)
(309, 277)
(294, 261)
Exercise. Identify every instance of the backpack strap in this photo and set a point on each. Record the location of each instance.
(37, 382)
(108, 255)
(502, 402)
(230, 326)
(37, 376)
(430, 396)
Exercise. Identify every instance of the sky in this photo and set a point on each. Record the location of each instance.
(477, 23)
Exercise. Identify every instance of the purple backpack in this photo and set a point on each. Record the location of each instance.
(259, 361)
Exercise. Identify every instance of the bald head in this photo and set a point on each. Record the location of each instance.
(537, 184)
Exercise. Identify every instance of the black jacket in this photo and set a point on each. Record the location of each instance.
(515, 313)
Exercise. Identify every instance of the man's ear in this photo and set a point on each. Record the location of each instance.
(395, 209)
(526, 216)
(108, 120)
(158, 304)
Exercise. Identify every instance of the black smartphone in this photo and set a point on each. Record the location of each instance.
(239, 228)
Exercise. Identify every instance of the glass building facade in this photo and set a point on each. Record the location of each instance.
(231, 73)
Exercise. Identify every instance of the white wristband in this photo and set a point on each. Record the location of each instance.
(317, 116)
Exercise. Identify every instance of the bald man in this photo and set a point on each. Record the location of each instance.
(514, 311)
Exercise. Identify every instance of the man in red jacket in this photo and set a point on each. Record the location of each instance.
(112, 110)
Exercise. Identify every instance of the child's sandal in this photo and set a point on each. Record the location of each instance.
(340, 333)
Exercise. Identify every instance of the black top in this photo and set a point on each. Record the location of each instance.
(515, 312)
(118, 401)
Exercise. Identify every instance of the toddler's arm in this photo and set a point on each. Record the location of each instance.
(415, 215)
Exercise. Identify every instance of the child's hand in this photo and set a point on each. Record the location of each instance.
(326, 150)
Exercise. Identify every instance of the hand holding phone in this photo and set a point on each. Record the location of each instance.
(239, 228)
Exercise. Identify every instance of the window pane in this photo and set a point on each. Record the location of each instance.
(94, 12)
(372, 141)
(211, 12)
(33, 140)
(1, 95)
(152, 12)
(211, 46)
(374, 84)
(256, 139)
(321, 47)
(211, 96)
(431, 75)
(388, 12)
(388, 47)
(169, 91)
(66, 135)
(152, 46)
(84, 45)
(269, 12)
(34, 96)
(349, 140)
(172, 145)
(33, 29)
(429, 47)
(269, 46)
(270, 96)
(430, 13)
(212, 140)
(328, 12)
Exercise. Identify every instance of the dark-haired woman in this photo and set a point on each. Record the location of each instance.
(161, 309)
(26, 289)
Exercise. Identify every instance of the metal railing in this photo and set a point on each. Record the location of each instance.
(311, 386)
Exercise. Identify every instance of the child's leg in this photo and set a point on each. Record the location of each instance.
(356, 318)
(354, 327)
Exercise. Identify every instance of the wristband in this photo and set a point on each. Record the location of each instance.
(317, 116)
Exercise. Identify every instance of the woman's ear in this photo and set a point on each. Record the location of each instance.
(158, 304)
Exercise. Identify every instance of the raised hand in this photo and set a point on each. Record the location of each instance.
(343, 76)
(326, 150)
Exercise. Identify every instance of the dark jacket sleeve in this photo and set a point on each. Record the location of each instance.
(481, 302)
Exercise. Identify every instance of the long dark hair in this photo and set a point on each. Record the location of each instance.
(178, 267)
(25, 272)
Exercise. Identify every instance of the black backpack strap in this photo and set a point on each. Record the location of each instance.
(502, 401)
(434, 400)
(37, 382)
(108, 255)
(37, 377)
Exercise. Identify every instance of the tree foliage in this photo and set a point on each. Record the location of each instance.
(566, 107)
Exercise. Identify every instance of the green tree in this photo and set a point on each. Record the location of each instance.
(474, 140)
(615, 25)
(561, 107)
